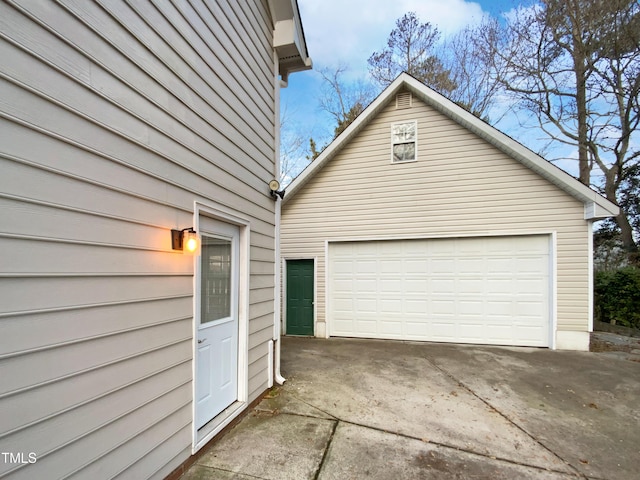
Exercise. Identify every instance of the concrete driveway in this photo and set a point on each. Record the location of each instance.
(353, 409)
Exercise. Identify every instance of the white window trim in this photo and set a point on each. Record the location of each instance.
(415, 141)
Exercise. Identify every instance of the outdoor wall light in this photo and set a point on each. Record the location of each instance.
(274, 186)
(185, 240)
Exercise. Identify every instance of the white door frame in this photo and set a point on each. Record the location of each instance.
(206, 433)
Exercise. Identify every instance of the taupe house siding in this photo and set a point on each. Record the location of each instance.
(459, 186)
(115, 118)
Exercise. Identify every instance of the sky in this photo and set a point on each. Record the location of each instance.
(347, 32)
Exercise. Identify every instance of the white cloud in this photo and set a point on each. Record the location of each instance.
(349, 31)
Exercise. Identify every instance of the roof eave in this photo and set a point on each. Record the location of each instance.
(596, 211)
(288, 38)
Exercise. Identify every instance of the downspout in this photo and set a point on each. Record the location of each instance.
(276, 326)
(591, 274)
(274, 357)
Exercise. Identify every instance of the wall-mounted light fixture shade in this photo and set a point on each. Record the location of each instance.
(190, 241)
(185, 240)
(274, 187)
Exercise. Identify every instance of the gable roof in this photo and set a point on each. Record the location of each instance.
(595, 206)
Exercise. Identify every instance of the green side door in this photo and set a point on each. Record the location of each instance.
(299, 297)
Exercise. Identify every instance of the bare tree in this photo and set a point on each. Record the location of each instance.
(293, 156)
(410, 48)
(471, 70)
(575, 65)
(344, 101)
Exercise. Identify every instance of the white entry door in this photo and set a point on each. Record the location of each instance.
(217, 322)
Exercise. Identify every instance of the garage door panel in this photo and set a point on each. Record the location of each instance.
(366, 248)
(390, 327)
(500, 266)
(441, 266)
(530, 284)
(441, 286)
(502, 309)
(389, 266)
(497, 286)
(365, 267)
(499, 245)
(441, 248)
(341, 266)
(390, 285)
(530, 266)
(343, 327)
(499, 333)
(471, 307)
(529, 310)
(345, 305)
(343, 286)
(481, 290)
(470, 249)
(390, 306)
(417, 285)
(364, 286)
(415, 326)
(367, 326)
(538, 245)
(472, 332)
(442, 307)
(366, 305)
(414, 266)
(470, 286)
(470, 266)
(416, 307)
(443, 331)
(528, 338)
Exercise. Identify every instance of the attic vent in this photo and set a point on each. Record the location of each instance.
(403, 100)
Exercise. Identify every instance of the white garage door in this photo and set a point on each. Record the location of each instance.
(490, 290)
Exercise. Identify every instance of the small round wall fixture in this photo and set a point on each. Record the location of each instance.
(274, 187)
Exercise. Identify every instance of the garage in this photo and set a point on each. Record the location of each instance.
(484, 290)
(471, 238)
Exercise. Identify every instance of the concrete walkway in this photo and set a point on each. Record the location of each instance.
(355, 409)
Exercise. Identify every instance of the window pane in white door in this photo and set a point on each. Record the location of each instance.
(216, 279)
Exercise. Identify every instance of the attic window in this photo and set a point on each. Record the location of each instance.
(403, 100)
(403, 141)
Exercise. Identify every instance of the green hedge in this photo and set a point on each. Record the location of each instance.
(617, 297)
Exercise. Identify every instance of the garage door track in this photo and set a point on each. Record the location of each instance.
(353, 409)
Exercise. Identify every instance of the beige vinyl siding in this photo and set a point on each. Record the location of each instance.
(115, 118)
(459, 186)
